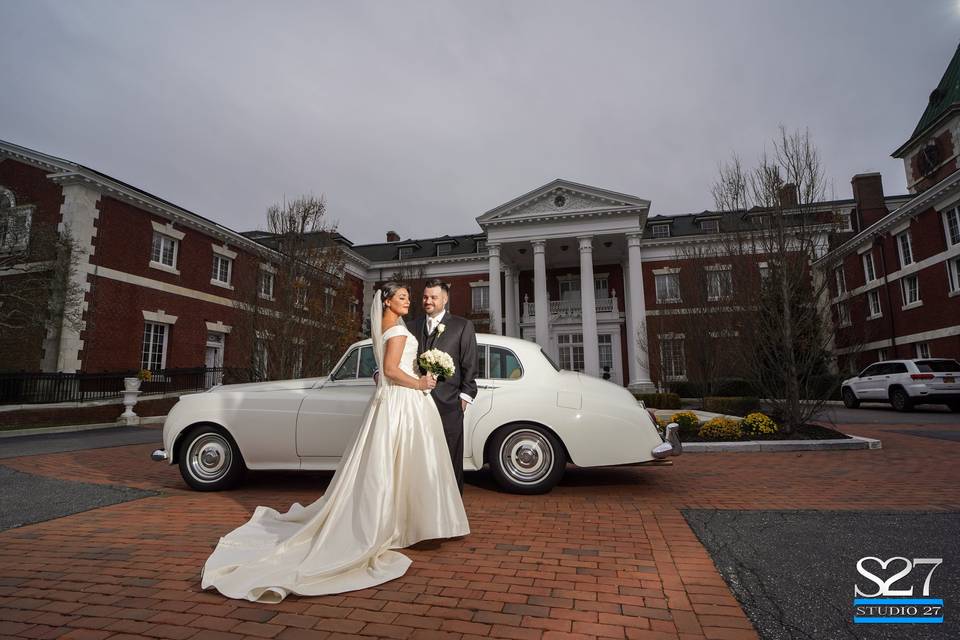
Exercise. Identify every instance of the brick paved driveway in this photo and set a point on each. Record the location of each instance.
(607, 554)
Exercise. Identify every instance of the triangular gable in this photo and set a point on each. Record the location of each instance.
(574, 197)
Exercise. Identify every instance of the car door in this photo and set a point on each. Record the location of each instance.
(500, 369)
(864, 384)
(330, 415)
(482, 403)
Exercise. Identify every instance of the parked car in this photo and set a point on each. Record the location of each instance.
(529, 419)
(905, 384)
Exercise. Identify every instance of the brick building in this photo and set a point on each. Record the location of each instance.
(896, 277)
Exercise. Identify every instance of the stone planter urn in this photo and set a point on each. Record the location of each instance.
(132, 384)
(131, 389)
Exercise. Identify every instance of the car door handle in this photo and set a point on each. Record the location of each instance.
(486, 386)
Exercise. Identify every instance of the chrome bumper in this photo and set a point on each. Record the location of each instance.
(159, 455)
(671, 443)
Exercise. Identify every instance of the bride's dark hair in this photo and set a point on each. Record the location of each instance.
(390, 289)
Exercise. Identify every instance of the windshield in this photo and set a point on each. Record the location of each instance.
(550, 360)
(938, 366)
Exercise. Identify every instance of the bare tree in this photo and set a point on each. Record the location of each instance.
(297, 311)
(782, 221)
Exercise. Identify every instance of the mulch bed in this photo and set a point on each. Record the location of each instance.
(806, 432)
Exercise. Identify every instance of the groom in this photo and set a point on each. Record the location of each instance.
(454, 335)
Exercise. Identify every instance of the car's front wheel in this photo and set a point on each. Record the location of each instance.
(209, 459)
(526, 458)
(900, 400)
(850, 398)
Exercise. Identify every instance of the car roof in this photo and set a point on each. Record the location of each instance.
(514, 344)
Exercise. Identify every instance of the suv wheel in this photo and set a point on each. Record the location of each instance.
(849, 398)
(900, 400)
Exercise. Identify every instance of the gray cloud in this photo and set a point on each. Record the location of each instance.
(420, 116)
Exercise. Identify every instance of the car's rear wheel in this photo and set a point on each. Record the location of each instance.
(209, 459)
(900, 400)
(526, 458)
(849, 398)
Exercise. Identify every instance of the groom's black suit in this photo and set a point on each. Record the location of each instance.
(460, 341)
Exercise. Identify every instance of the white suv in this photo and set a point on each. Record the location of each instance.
(905, 383)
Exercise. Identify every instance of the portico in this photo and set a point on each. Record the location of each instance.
(583, 304)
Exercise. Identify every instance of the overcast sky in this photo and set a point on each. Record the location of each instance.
(420, 116)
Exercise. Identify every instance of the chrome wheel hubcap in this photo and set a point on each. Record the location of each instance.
(526, 456)
(210, 457)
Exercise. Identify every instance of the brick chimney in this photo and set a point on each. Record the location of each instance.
(392, 236)
(788, 196)
(868, 193)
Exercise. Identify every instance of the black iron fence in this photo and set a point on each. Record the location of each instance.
(42, 388)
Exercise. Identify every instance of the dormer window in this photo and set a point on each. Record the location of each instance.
(481, 246)
(710, 226)
(444, 248)
(660, 230)
(758, 220)
(405, 252)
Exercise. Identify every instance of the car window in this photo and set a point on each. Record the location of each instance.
(938, 366)
(504, 364)
(550, 360)
(896, 367)
(368, 363)
(482, 361)
(348, 370)
(872, 370)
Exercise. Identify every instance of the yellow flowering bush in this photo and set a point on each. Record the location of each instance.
(758, 424)
(687, 421)
(720, 428)
(145, 375)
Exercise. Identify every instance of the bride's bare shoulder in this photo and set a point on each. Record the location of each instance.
(394, 331)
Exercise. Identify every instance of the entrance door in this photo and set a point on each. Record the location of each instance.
(214, 358)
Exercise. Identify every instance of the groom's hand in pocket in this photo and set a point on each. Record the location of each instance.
(463, 405)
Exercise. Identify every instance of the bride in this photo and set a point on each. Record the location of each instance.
(393, 487)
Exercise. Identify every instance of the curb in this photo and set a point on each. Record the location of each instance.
(768, 446)
(144, 421)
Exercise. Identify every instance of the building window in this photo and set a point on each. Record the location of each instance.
(668, 287)
(300, 295)
(869, 272)
(910, 288)
(481, 246)
(841, 281)
(952, 220)
(843, 314)
(354, 308)
(265, 284)
(881, 354)
(328, 298)
(660, 231)
(873, 303)
(843, 221)
(260, 359)
(164, 250)
(480, 299)
(571, 351)
(154, 353)
(14, 224)
(923, 350)
(906, 248)
(444, 248)
(405, 252)
(953, 270)
(672, 357)
(221, 269)
(719, 284)
(710, 226)
(602, 288)
(764, 273)
(605, 344)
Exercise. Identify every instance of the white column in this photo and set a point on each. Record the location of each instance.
(629, 371)
(540, 300)
(496, 316)
(588, 298)
(510, 300)
(640, 372)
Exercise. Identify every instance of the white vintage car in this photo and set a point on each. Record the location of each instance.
(529, 419)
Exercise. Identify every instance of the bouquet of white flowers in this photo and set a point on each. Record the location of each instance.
(438, 363)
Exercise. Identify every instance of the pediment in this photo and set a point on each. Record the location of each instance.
(560, 198)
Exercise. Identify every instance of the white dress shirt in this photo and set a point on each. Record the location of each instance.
(432, 322)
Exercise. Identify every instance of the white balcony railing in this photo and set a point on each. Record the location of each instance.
(572, 308)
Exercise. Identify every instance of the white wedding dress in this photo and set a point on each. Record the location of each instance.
(394, 487)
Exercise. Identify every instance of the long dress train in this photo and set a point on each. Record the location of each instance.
(394, 487)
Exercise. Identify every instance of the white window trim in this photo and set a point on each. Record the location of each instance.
(219, 327)
(225, 251)
(223, 283)
(660, 226)
(909, 238)
(273, 284)
(903, 294)
(166, 342)
(953, 276)
(945, 219)
(672, 336)
(718, 267)
(900, 228)
(916, 350)
(26, 211)
(167, 230)
(665, 271)
(719, 296)
(656, 289)
(841, 321)
(870, 314)
(873, 265)
(159, 316)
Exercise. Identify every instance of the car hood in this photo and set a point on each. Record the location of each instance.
(273, 385)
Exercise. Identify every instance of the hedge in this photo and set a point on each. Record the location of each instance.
(732, 406)
(659, 400)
